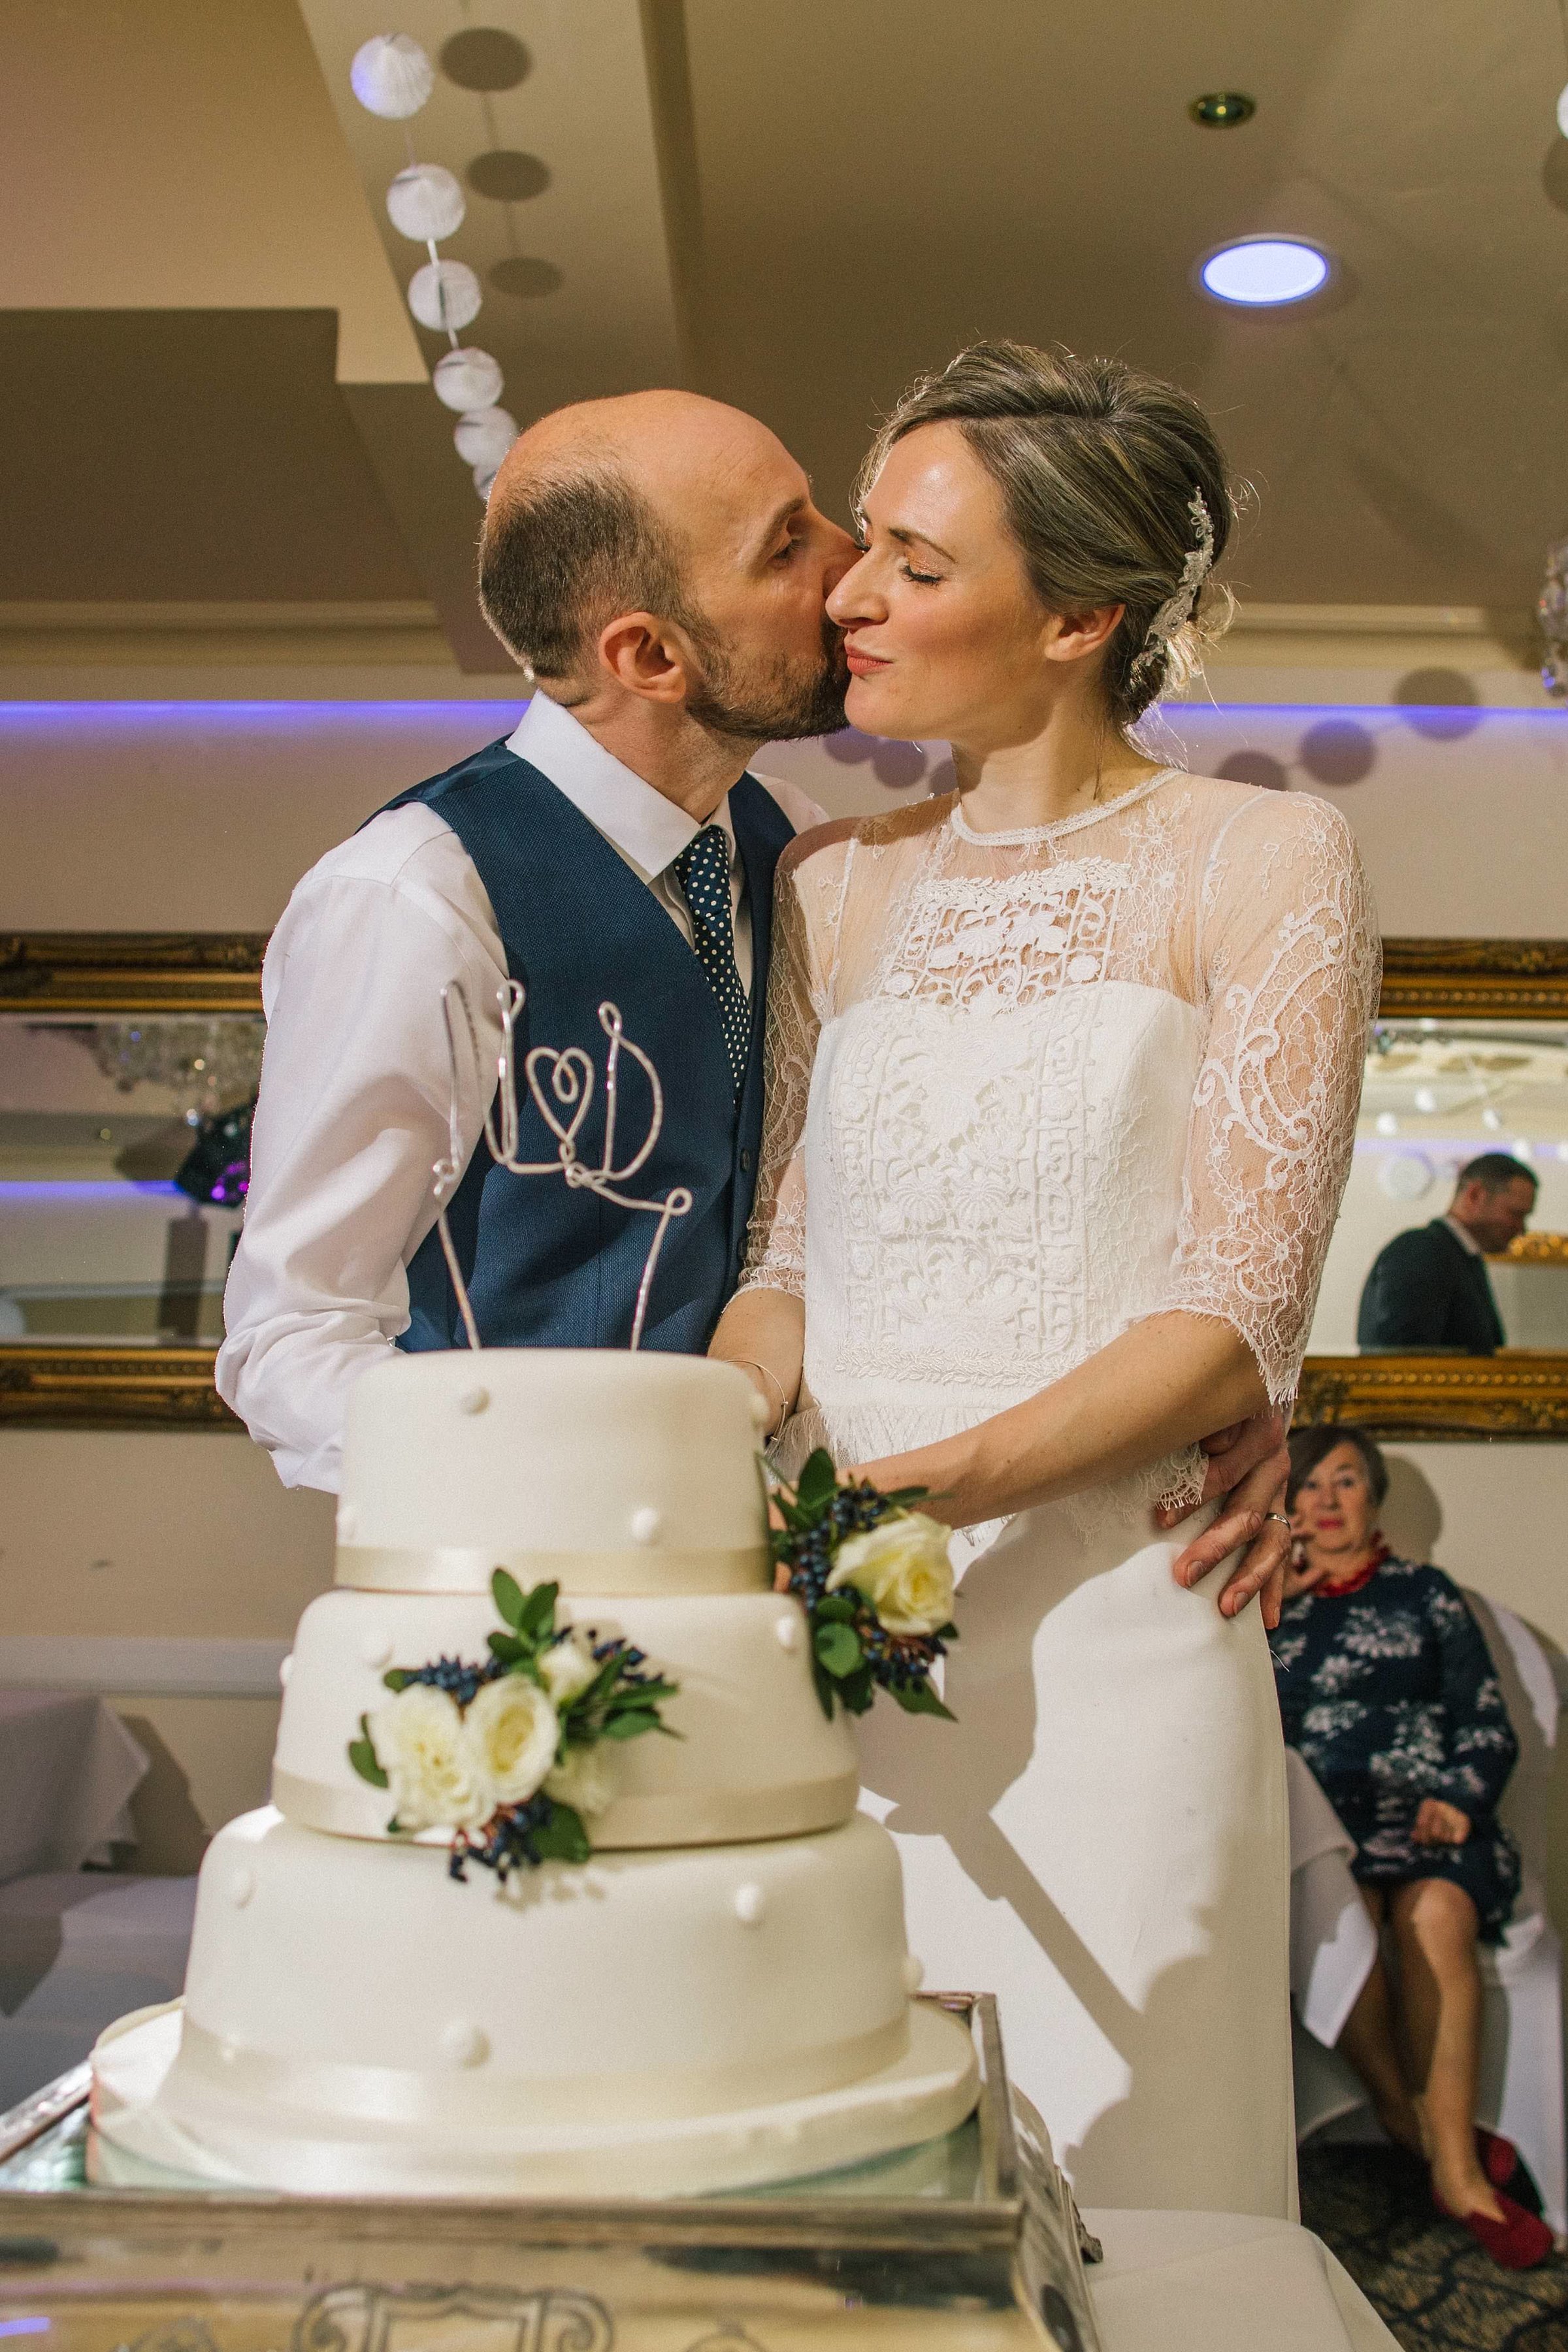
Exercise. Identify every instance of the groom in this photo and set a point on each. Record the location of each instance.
(658, 564)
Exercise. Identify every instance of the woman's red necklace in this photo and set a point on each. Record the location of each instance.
(1337, 1589)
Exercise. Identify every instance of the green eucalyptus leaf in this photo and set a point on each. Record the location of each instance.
(363, 1757)
(827, 1690)
(837, 1608)
(819, 1481)
(563, 1837)
(857, 1690)
(506, 1647)
(507, 1594)
(838, 1648)
(919, 1698)
(901, 1497)
(396, 1678)
(538, 1617)
(631, 1725)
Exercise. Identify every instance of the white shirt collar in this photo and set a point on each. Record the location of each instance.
(649, 831)
(1465, 1238)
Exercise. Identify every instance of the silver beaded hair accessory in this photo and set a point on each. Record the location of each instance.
(1177, 610)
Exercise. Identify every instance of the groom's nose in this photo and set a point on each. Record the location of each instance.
(842, 556)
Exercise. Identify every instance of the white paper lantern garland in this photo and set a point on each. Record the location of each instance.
(392, 78)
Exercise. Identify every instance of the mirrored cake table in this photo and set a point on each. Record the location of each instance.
(967, 2242)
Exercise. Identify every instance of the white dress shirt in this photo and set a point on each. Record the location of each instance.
(356, 1084)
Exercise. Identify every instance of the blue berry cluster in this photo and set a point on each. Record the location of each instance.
(459, 1680)
(507, 1842)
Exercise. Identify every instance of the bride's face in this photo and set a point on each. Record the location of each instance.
(945, 635)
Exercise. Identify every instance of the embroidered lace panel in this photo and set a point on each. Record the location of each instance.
(1068, 1078)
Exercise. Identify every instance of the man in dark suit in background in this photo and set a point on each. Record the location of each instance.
(1429, 1288)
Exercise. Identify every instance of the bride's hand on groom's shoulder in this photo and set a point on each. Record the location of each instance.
(1246, 1473)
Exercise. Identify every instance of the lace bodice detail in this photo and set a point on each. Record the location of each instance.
(1025, 1088)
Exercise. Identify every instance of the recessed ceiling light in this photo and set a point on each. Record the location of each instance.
(1222, 109)
(1259, 272)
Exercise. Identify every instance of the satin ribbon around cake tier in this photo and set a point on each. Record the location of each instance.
(639, 1571)
(680, 1817)
(487, 2097)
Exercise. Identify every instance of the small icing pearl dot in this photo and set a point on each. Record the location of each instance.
(463, 2044)
(348, 1523)
(914, 1973)
(375, 1649)
(648, 1525)
(241, 1887)
(285, 1668)
(761, 1416)
(749, 1904)
(473, 1400)
(786, 1631)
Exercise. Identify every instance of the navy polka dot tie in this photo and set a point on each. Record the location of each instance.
(702, 870)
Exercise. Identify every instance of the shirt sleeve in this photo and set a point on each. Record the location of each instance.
(797, 993)
(1482, 1750)
(355, 1099)
(1288, 965)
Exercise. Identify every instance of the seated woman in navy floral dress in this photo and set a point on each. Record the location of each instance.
(1387, 1689)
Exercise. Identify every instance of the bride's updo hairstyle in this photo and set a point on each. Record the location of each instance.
(1098, 466)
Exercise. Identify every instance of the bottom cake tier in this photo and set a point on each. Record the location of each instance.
(646, 2023)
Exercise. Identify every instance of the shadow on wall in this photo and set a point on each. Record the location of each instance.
(1441, 705)
(171, 1835)
(1411, 1515)
(899, 766)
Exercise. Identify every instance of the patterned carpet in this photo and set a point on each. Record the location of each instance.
(1429, 2280)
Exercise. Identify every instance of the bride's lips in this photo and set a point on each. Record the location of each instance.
(864, 665)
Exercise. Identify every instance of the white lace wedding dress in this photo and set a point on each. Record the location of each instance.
(1025, 1090)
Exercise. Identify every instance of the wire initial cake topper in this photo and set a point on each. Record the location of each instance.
(571, 1080)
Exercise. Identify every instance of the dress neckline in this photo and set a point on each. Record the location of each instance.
(1021, 834)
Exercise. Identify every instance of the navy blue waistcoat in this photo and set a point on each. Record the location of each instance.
(545, 1266)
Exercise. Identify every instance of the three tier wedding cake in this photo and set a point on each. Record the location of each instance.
(490, 1938)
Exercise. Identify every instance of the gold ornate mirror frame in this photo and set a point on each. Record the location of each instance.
(110, 972)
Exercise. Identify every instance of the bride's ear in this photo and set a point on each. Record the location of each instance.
(1073, 637)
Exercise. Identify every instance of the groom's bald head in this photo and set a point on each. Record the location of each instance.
(666, 504)
(588, 517)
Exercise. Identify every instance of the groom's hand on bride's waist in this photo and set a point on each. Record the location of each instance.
(1245, 1472)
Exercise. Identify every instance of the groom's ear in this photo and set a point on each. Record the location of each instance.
(646, 656)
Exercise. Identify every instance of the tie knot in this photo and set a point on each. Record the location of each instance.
(705, 860)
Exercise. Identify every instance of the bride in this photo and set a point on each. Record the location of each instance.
(1063, 1076)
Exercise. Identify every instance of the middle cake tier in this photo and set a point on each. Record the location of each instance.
(755, 1756)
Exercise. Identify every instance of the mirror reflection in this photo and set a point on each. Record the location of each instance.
(124, 1148)
(1453, 1232)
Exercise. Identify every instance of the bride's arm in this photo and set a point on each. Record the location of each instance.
(762, 1328)
(1288, 968)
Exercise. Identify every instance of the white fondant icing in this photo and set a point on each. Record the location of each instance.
(285, 1668)
(473, 1400)
(648, 1525)
(241, 1886)
(756, 1757)
(750, 1904)
(463, 2044)
(575, 1442)
(914, 1974)
(375, 1645)
(787, 1630)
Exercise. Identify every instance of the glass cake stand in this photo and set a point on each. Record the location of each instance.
(967, 2243)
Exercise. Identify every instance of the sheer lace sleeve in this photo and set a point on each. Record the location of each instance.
(1289, 961)
(812, 877)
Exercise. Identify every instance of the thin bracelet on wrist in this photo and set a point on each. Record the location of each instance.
(777, 1386)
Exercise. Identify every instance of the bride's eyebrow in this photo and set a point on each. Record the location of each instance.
(918, 538)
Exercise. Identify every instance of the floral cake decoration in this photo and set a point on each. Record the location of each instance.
(875, 1580)
(511, 1756)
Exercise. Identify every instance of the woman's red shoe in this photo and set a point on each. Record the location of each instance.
(1500, 2158)
(1517, 2241)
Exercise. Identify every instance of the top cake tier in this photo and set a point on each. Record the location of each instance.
(609, 1473)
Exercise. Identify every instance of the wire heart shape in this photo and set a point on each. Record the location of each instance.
(571, 1082)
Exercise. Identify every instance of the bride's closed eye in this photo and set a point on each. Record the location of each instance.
(922, 579)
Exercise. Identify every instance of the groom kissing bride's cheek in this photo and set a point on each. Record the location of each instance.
(1015, 1123)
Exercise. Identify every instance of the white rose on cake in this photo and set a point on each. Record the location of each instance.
(436, 1779)
(567, 1668)
(512, 1732)
(585, 1778)
(902, 1569)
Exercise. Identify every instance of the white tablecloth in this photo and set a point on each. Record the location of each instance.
(1224, 2282)
(68, 1768)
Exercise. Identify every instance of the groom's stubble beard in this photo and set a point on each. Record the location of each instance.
(774, 700)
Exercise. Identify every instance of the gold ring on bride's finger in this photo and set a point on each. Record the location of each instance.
(1277, 1514)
